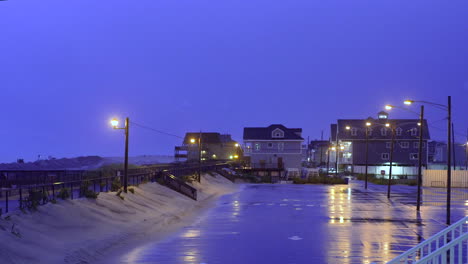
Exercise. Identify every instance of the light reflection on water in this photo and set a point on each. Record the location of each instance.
(347, 225)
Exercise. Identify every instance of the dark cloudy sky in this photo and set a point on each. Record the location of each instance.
(67, 67)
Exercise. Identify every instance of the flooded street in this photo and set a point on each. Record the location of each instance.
(279, 223)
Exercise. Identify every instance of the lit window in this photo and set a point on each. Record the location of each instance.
(385, 156)
(257, 146)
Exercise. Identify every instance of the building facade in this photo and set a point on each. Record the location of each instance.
(275, 147)
(318, 150)
(214, 146)
(437, 156)
(348, 140)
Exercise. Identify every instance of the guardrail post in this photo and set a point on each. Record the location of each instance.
(21, 198)
(43, 195)
(6, 201)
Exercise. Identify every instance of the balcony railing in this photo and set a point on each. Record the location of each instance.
(266, 166)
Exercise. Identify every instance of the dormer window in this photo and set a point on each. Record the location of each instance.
(383, 131)
(382, 115)
(398, 131)
(277, 133)
(414, 131)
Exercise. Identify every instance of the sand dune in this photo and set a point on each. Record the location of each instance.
(85, 230)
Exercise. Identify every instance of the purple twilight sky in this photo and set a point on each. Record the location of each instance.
(67, 67)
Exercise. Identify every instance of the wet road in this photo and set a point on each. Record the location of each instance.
(278, 223)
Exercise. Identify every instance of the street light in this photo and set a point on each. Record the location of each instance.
(193, 140)
(115, 123)
(368, 124)
(421, 120)
(447, 108)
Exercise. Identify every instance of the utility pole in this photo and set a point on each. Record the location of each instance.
(328, 157)
(391, 160)
(199, 156)
(367, 154)
(336, 151)
(421, 121)
(127, 123)
(449, 158)
(453, 148)
(466, 151)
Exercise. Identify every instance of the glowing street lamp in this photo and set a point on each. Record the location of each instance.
(447, 108)
(193, 141)
(389, 107)
(348, 127)
(368, 124)
(421, 120)
(115, 124)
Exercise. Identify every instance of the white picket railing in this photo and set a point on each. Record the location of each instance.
(447, 246)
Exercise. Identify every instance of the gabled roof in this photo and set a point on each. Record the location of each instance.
(265, 133)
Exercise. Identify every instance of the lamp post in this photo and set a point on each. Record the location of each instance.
(115, 124)
(392, 144)
(367, 125)
(448, 108)
(328, 158)
(336, 151)
(420, 147)
(192, 140)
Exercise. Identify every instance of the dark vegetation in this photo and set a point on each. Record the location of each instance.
(319, 180)
(381, 181)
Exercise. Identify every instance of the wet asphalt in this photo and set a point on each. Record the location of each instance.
(287, 223)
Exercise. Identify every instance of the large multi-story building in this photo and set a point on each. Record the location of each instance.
(214, 146)
(274, 147)
(348, 140)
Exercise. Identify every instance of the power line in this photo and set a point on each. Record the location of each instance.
(156, 130)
